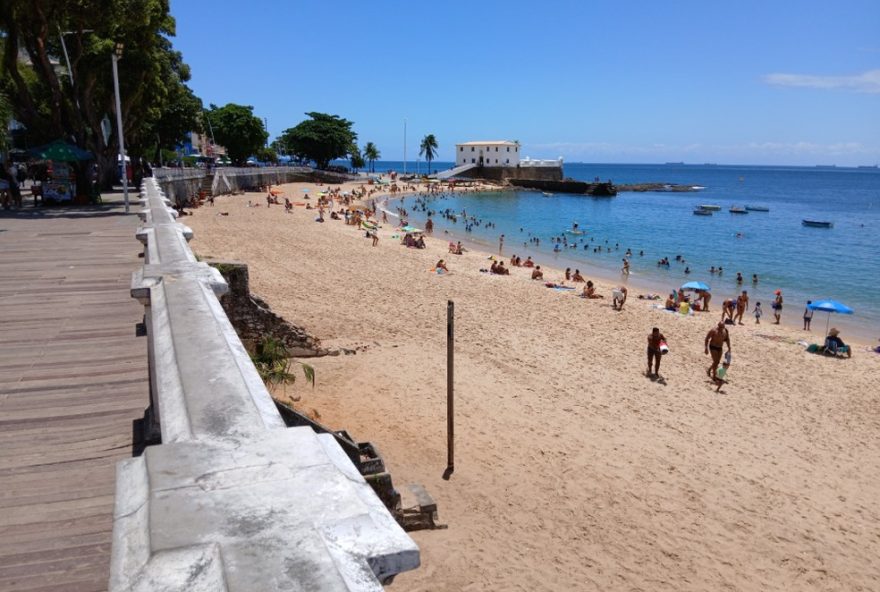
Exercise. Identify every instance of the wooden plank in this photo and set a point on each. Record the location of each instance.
(73, 379)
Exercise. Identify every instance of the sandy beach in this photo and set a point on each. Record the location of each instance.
(574, 471)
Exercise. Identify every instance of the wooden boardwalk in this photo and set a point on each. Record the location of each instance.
(73, 380)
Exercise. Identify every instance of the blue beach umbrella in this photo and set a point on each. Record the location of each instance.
(696, 286)
(830, 306)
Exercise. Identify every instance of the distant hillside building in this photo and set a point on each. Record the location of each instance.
(490, 154)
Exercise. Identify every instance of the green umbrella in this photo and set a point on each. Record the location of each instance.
(61, 151)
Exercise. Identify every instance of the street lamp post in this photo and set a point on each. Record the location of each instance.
(115, 57)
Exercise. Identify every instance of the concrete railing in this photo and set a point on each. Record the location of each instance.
(232, 500)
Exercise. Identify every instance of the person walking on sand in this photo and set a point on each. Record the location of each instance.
(656, 345)
(500, 244)
(808, 315)
(714, 342)
(758, 313)
(742, 305)
(618, 297)
(777, 306)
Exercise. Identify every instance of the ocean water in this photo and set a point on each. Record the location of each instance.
(805, 263)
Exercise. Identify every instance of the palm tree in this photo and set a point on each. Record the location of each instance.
(372, 154)
(428, 149)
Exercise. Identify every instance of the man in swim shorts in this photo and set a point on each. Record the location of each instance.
(715, 340)
(537, 274)
(742, 305)
(655, 338)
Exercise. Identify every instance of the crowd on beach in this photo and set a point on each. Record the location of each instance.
(365, 209)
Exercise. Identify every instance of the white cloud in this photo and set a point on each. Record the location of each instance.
(866, 82)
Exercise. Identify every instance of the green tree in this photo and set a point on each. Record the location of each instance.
(5, 118)
(372, 154)
(238, 129)
(428, 149)
(320, 139)
(357, 159)
(53, 101)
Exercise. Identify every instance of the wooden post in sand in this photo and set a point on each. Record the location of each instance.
(450, 401)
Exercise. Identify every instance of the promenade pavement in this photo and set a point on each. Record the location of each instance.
(73, 386)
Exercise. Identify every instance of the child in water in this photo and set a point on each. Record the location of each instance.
(758, 313)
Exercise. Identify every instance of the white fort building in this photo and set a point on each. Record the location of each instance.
(500, 153)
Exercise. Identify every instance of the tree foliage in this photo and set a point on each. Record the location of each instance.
(320, 139)
(238, 129)
(372, 154)
(157, 107)
(357, 159)
(428, 149)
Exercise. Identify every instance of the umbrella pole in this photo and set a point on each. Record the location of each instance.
(827, 322)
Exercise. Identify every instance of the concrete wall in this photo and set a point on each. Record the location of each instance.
(544, 173)
(232, 500)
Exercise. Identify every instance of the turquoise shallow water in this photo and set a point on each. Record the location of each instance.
(805, 263)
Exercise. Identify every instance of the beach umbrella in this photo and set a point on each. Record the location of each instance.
(696, 286)
(830, 306)
(60, 151)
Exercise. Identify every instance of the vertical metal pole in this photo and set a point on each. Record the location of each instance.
(450, 398)
(119, 129)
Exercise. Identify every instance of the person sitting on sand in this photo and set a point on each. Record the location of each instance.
(713, 343)
(590, 291)
(528, 262)
(577, 277)
(670, 302)
(441, 265)
(420, 243)
(835, 344)
(618, 295)
(655, 341)
(537, 274)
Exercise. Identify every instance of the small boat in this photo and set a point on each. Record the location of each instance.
(817, 224)
(571, 231)
(546, 193)
(757, 209)
(702, 212)
(736, 210)
(710, 207)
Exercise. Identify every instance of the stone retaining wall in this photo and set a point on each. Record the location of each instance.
(253, 319)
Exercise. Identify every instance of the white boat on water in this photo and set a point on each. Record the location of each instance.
(710, 207)
(757, 209)
(698, 211)
(546, 193)
(737, 210)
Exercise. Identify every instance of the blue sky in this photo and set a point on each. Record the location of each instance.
(605, 81)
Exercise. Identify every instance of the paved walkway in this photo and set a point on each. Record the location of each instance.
(73, 380)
